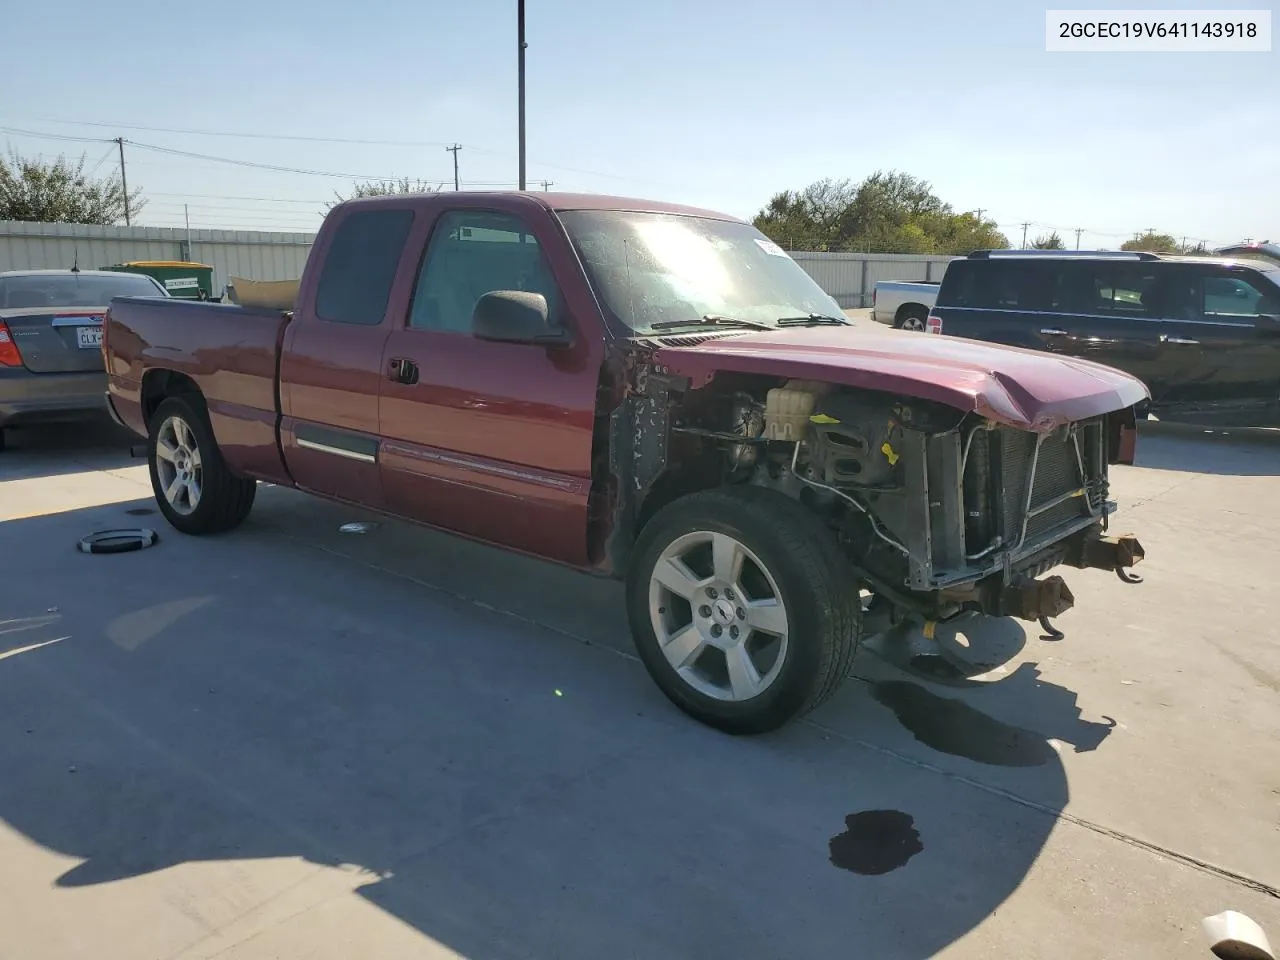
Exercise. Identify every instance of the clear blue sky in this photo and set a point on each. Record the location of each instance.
(714, 102)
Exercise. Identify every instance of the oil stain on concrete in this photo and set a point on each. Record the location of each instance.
(875, 842)
(954, 727)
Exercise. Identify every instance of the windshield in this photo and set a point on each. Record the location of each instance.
(664, 269)
(73, 290)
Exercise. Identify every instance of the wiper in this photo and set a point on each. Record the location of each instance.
(711, 320)
(814, 319)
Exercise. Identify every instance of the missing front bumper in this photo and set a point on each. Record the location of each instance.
(1027, 596)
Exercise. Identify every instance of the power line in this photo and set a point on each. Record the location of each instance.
(222, 206)
(316, 139)
(220, 196)
(55, 136)
(101, 160)
(279, 168)
(190, 154)
(248, 136)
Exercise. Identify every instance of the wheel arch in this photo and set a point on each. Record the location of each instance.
(160, 384)
(911, 309)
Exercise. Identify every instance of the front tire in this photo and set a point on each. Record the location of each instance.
(194, 489)
(743, 609)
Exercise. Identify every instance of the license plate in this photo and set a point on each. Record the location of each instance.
(89, 338)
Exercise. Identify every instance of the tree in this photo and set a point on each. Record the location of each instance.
(385, 188)
(888, 212)
(61, 192)
(1050, 242)
(1152, 242)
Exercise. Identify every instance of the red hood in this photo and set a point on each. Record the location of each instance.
(1022, 388)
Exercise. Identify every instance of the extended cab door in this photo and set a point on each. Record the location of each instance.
(331, 358)
(493, 440)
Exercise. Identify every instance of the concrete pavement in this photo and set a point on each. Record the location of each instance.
(293, 742)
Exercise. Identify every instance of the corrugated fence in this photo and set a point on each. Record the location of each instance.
(232, 253)
(851, 277)
(255, 255)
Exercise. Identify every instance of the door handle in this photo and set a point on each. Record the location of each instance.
(1165, 338)
(402, 370)
(1052, 332)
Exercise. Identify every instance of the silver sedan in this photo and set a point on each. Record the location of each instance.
(51, 366)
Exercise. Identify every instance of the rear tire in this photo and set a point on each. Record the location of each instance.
(743, 608)
(194, 489)
(912, 318)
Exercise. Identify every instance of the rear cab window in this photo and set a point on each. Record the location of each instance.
(360, 266)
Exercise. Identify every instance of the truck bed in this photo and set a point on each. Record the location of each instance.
(230, 352)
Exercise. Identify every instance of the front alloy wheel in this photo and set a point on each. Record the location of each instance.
(718, 616)
(743, 607)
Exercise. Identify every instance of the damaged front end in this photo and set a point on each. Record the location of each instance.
(941, 511)
(976, 512)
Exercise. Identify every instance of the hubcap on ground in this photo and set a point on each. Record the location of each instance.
(718, 616)
(178, 465)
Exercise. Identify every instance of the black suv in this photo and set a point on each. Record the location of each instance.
(1203, 333)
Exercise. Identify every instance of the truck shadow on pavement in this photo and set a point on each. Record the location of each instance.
(57, 449)
(509, 790)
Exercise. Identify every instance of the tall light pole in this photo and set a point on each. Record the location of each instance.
(520, 68)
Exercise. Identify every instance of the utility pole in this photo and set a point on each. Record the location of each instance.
(1024, 235)
(520, 70)
(454, 150)
(981, 210)
(124, 184)
(1079, 230)
(546, 185)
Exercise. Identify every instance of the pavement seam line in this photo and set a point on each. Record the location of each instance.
(1204, 866)
(1196, 863)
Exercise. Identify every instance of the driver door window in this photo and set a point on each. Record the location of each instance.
(472, 253)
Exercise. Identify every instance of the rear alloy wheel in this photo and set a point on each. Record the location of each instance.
(743, 609)
(913, 320)
(179, 465)
(194, 489)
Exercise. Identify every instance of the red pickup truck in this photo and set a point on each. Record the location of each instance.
(652, 392)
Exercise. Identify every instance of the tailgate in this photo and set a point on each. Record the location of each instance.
(57, 341)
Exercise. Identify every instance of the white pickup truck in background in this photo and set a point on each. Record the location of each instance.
(903, 304)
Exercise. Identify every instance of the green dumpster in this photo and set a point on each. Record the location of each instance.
(187, 281)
